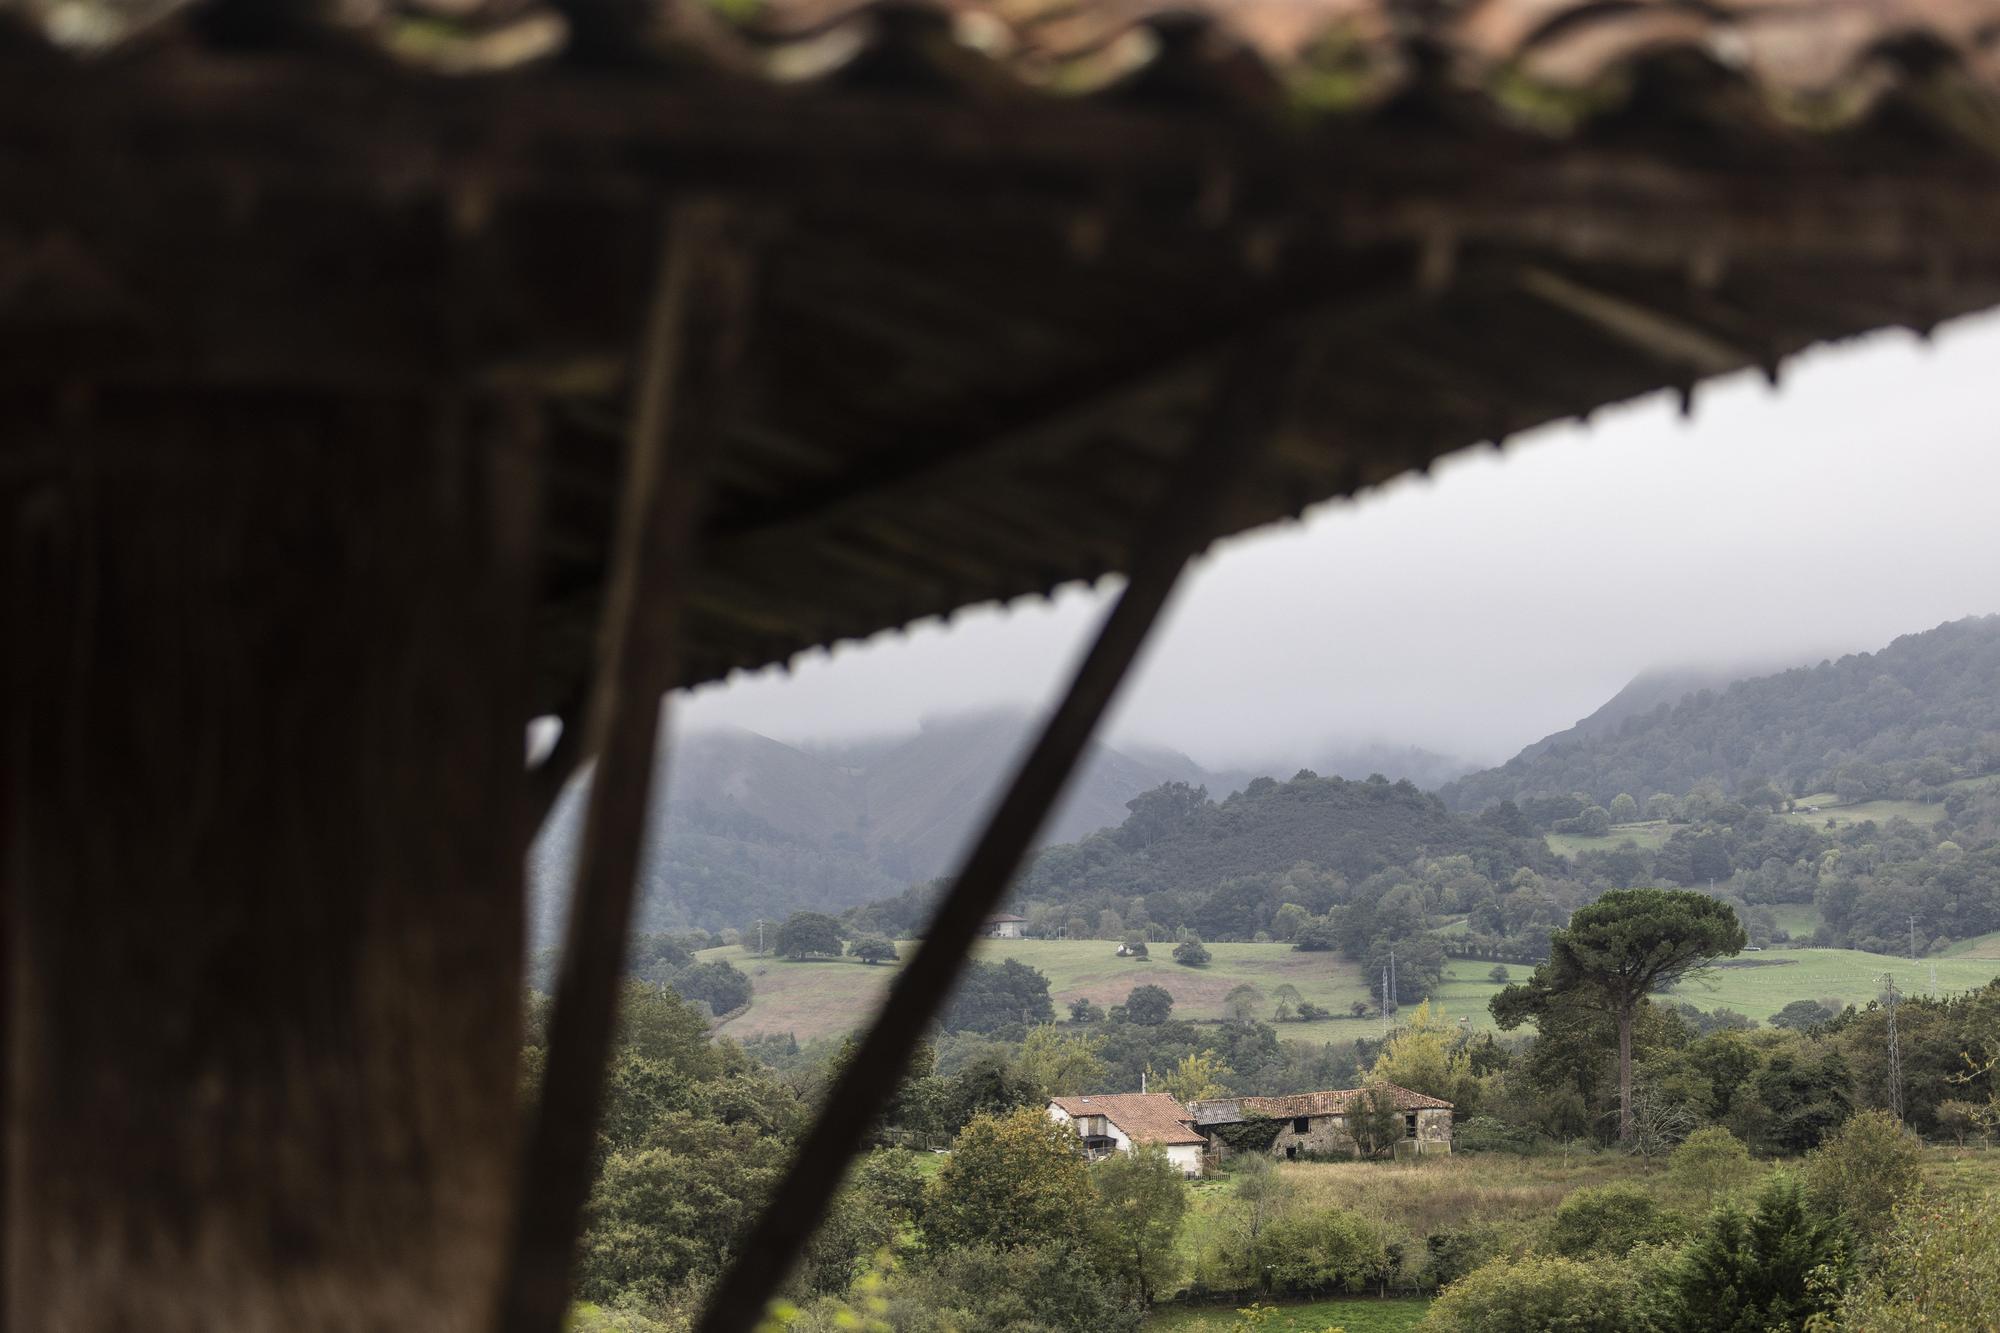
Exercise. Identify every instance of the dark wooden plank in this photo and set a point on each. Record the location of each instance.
(260, 799)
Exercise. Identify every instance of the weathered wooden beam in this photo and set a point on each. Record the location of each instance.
(261, 674)
(1665, 338)
(1249, 402)
(693, 345)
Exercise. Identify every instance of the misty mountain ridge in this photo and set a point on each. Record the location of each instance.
(1645, 692)
(749, 826)
(1922, 711)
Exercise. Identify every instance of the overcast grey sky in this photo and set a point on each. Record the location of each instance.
(1510, 593)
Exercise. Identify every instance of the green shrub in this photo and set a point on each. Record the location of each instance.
(1324, 1250)
(1711, 1161)
(1451, 1253)
(895, 1181)
(1485, 1133)
(588, 1318)
(1935, 1270)
(1294, 1251)
(1053, 1287)
(1749, 1270)
(1539, 1294)
(1609, 1221)
(1863, 1171)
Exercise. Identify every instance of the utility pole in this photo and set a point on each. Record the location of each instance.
(1889, 1001)
(1913, 937)
(1393, 1006)
(760, 934)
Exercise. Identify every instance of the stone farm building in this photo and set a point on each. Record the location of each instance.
(1003, 927)
(1115, 1123)
(1315, 1124)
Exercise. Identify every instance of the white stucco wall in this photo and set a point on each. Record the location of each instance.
(1186, 1156)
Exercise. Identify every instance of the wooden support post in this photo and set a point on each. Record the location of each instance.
(693, 342)
(262, 676)
(1249, 402)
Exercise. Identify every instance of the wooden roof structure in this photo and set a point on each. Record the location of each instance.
(1007, 239)
(378, 374)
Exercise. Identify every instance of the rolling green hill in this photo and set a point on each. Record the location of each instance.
(826, 998)
(1981, 946)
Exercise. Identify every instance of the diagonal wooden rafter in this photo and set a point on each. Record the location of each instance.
(1660, 336)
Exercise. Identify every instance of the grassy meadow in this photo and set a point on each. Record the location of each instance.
(1648, 835)
(1979, 946)
(830, 996)
(1799, 920)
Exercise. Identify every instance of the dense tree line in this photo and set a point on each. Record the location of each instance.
(1178, 844)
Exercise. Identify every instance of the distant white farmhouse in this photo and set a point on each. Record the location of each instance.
(1003, 927)
(1116, 1122)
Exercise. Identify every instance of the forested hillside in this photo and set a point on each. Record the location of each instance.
(745, 826)
(1324, 863)
(1177, 841)
(1902, 722)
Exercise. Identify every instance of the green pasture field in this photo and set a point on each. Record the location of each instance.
(1979, 946)
(1647, 835)
(1917, 812)
(1799, 920)
(1760, 984)
(829, 997)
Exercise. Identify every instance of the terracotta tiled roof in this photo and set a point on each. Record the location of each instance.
(1814, 63)
(1340, 1102)
(1145, 1117)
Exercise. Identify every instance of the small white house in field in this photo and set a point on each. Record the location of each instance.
(1003, 927)
(1116, 1122)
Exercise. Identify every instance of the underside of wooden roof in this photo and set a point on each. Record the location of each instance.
(1001, 247)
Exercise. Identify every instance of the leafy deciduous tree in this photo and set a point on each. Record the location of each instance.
(1141, 1200)
(808, 933)
(1060, 1063)
(1149, 1005)
(872, 949)
(1017, 1180)
(1198, 1076)
(1243, 1001)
